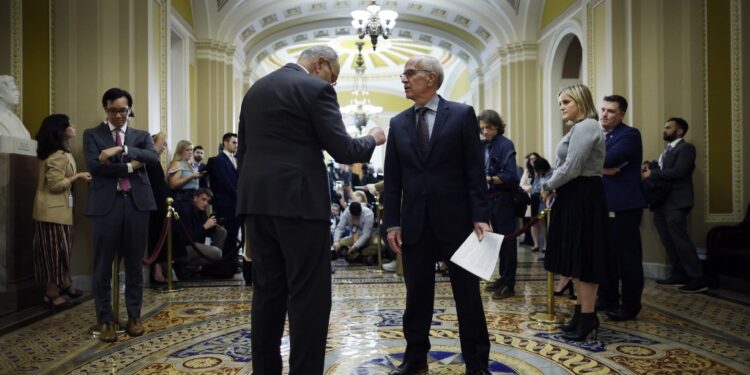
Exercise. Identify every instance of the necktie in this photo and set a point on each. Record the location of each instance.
(666, 153)
(124, 183)
(423, 131)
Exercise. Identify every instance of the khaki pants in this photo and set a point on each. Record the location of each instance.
(371, 249)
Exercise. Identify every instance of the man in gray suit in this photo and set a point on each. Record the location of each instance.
(288, 118)
(676, 167)
(118, 203)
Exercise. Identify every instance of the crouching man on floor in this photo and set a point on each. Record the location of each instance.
(361, 245)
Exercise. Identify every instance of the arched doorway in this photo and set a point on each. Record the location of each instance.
(565, 68)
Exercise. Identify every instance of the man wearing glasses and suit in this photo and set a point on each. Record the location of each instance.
(119, 201)
(435, 195)
(288, 118)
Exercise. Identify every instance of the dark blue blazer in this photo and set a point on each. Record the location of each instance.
(502, 163)
(447, 188)
(624, 190)
(223, 177)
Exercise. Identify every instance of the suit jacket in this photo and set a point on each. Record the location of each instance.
(159, 186)
(223, 177)
(447, 186)
(288, 117)
(53, 189)
(624, 190)
(678, 169)
(103, 186)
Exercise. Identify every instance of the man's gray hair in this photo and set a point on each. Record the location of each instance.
(432, 64)
(314, 52)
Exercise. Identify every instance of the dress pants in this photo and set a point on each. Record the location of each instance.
(291, 274)
(419, 273)
(672, 227)
(624, 241)
(124, 228)
(504, 222)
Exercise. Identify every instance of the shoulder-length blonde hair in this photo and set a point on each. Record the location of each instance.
(581, 95)
(181, 146)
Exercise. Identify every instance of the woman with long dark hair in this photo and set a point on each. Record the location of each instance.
(53, 208)
(577, 246)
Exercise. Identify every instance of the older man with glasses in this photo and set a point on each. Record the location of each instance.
(288, 118)
(435, 195)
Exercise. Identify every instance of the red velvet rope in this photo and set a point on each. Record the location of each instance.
(159, 245)
(534, 220)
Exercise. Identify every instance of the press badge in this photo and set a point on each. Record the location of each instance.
(70, 200)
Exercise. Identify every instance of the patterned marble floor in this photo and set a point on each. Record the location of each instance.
(206, 330)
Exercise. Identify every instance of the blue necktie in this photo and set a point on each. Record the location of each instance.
(666, 153)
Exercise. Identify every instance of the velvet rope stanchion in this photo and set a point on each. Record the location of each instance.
(378, 218)
(548, 317)
(171, 213)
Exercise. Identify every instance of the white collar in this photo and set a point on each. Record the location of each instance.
(124, 128)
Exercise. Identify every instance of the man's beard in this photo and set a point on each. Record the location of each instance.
(669, 137)
(198, 159)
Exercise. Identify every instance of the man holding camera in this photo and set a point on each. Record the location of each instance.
(502, 177)
(207, 232)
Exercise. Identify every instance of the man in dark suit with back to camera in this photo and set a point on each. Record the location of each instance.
(288, 118)
(676, 166)
(435, 195)
(625, 203)
(119, 201)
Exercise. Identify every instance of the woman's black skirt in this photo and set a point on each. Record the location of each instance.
(577, 244)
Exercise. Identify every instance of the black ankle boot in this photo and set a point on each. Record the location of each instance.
(587, 323)
(573, 323)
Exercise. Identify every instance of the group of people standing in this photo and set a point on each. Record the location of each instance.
(441, 185)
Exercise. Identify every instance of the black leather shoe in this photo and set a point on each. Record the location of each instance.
(672, 281)
(620, 315)
(483, 371)
(410, 369)
(503, 293)
(493, 286)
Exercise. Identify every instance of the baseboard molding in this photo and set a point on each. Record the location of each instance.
(656, 270)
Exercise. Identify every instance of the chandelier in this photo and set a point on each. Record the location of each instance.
(360, 106)
(374, 22)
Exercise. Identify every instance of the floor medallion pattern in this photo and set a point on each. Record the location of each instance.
(206, 330)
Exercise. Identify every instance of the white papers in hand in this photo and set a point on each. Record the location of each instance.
(478, 257)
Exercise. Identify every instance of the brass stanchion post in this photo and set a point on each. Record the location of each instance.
(380, 239)
(549, 316)
(171, 214)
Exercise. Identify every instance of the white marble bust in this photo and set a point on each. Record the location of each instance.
(10, 124)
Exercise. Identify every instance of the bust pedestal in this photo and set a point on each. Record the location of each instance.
(16, 145)
(18, 178)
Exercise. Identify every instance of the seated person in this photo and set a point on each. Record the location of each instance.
(361, 245)
(207, 234)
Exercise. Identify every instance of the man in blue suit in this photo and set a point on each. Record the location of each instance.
(223, 179)
(625, 202)
(435, 195)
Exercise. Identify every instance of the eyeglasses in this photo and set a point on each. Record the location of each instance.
(121, 111)
(411, 72)
(334, 77)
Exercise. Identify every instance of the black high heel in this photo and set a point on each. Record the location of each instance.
(588, 322)
(69, 291)
(573, 323)
(568, 287)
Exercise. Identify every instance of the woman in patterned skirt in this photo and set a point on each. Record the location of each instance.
(53, 208)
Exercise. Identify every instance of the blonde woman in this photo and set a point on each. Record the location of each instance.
(577, 246)
(53, 208)
(181, 178)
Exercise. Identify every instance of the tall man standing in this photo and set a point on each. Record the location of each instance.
(119, 199)
(435, 194)
(288, 118)
(677, 164)
(223, 179)
(625, 203)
